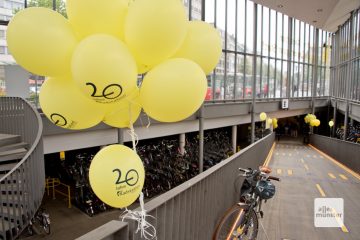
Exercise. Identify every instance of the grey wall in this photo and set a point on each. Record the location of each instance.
(17, 81)
(345, 152)
(193, 209)
(217, 115)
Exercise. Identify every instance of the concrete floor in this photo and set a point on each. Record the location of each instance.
(289, 215)
(68, 224)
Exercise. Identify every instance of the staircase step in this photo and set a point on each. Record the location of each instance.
(14, 146)
(4, 168)
(11, 155)
(7, 139)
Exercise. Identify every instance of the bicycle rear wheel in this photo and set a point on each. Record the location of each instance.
(237, 223)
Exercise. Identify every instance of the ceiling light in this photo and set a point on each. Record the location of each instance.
(280, 6)
(314, 21)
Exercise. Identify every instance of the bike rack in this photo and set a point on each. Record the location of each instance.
(52, 183)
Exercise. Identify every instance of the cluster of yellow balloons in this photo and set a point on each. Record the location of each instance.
(312, 120)
(94, 57)
(93, 60)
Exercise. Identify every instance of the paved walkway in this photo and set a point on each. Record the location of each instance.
(307, 174)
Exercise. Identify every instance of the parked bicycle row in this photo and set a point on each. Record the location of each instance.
(353, 133)
(164, 164)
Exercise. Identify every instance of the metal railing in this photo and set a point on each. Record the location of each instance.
(193, 209)
(23, 187)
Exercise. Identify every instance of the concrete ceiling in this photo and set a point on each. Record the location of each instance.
(324, 14)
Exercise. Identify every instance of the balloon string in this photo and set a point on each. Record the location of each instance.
(147, 230)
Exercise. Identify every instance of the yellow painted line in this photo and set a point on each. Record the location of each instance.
(290, 172)
(306, 167)
(356, 175)
(343, 176)
(332, 175)
(279, 171)
(268, 158)
(340, 222)
(320, 190)
(302, 160)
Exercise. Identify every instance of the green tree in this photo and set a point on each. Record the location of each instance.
(60, 5)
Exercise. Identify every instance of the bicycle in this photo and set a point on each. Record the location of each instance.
(241, 220)
(40, 223)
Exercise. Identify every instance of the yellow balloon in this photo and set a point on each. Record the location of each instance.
(331, 123)
(125, 112)
(42, 41)
(270, 121)
(274, 121)
(65, 106)
(314, 122)
(202, 45)
(154, 30)
(91, 16)
(104, 68)
(263, 116)
(117, 175)
(173, 90)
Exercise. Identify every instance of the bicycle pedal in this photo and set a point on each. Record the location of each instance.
(261, 214)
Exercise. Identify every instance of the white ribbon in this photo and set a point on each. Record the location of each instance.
(147, 230)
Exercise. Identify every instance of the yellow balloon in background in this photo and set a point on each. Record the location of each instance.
(173, 90)
(65, 106)
(270, 121)
(93, 16)
(274, 121)
(42, 41)
(104, 68)
(315, 122)
(263, 116)
(202, 45)
(154, 30)
(331, 123)
(125, 112)
(117, 175)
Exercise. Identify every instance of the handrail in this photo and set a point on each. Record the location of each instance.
(36, 141)
(24, 185)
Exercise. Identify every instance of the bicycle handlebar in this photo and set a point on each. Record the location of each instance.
(274, 178)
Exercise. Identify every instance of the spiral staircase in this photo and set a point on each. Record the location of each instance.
(22, 173)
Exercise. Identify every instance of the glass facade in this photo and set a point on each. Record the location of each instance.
(284, 50)
(345, 60)
(261, 47)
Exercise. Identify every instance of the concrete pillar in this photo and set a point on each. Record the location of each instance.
(234, 138)
(182, 143)
(201, 139)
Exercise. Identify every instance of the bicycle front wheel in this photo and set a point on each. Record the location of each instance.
(237, 223)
